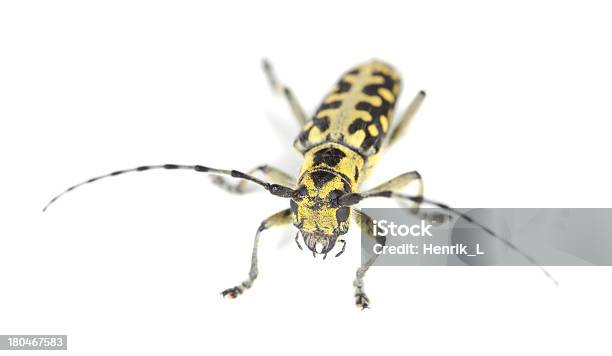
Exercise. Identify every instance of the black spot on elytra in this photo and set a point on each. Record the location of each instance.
(333, 105)
(322, 123)
(330, 156)
(343, 87)
(365, 106)
(371, 89)
(370, 141)
(342, 214)
(356, 174)
(389, 82)
(359, 124)
(321, 177)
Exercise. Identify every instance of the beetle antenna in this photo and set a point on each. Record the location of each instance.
(354, 198)
(274, 189)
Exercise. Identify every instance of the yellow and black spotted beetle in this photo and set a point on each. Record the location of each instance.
(340, 145)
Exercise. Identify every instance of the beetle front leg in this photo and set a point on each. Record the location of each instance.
(366, 225)
(279, 219)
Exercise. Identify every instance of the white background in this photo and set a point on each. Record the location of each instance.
(517, 115)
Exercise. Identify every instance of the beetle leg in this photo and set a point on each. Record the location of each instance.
(366, 225)
(280, 88)
(279, 219)
(406, 118)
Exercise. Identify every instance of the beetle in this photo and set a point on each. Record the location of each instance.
(340, 145)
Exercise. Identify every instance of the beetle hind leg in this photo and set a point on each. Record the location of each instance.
(284, 90)
(406, 118)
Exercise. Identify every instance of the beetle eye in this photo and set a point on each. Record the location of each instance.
(342, 214)
(333, 197)
(300, 193)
